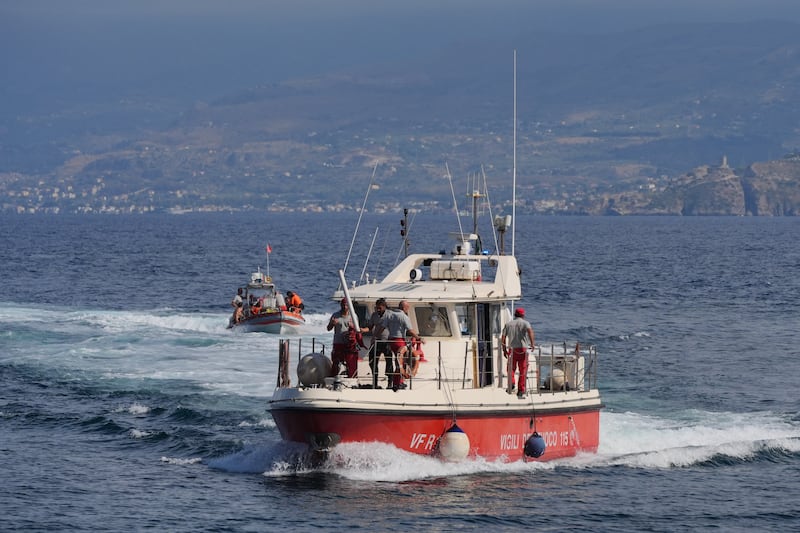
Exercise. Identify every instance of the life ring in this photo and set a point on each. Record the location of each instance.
(268, 279)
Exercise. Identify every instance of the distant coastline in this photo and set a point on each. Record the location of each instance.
(770, 188)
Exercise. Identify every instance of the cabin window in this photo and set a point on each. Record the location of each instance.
(361, 313)
(433, 321)
(496, 316)
(466, 318)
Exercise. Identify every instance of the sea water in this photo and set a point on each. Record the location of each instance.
(126, 404)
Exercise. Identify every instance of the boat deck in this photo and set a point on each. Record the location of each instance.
(552, 368)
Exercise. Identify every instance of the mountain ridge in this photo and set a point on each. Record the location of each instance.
(597, 114)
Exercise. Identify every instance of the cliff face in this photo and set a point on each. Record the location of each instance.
(762, 189)
(773, 188)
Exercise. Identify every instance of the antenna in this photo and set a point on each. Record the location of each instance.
(475, 195)
(360, 214)
(404, 231)
(455, 202)
(369, 254)
(514, 167)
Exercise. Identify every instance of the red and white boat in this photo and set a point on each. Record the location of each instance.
(264, 309)
(457, 405)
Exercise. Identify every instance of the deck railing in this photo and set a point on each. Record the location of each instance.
(552, 367)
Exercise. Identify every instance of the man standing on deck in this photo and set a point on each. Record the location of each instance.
(380, 342)
(399, 325)
(238, 301)
(519, 334)
(345, 341)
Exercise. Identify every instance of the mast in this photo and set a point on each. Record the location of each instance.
(404, 231)
(476, 195)
(360, 214)
(514, 166)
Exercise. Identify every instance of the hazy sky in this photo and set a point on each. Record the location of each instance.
(53, 52)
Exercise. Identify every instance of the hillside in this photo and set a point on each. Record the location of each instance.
(604, 123)
(770, 188)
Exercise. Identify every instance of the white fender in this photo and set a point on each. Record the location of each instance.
(454, 444)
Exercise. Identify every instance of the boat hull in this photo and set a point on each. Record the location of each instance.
(277, 323)
(496, 433)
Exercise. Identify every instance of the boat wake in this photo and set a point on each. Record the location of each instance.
(628, 440)
(692, 438)
(376, 461)
(162, 320)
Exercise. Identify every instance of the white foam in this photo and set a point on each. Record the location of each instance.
(134, 321)
(262, 423)
(692, 437)
(382, 462)
(157, 345)
(180, 461)
(627, 439)
(138, 409)
(358, 461)
(139, 434)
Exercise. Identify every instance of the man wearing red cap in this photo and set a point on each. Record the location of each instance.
(519, 334)
(345, 347)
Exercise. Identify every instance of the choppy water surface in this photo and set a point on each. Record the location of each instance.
(126, 404)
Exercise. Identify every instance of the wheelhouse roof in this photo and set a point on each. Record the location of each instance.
(399, 284)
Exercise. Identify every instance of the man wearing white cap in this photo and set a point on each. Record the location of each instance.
(519, 334)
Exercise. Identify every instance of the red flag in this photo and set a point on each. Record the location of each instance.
(269, 249)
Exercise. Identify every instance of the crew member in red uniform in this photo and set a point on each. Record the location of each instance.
(519, 334)
(345, 341)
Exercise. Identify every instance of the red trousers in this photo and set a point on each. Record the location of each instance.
(342, 354)
(518, 361)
